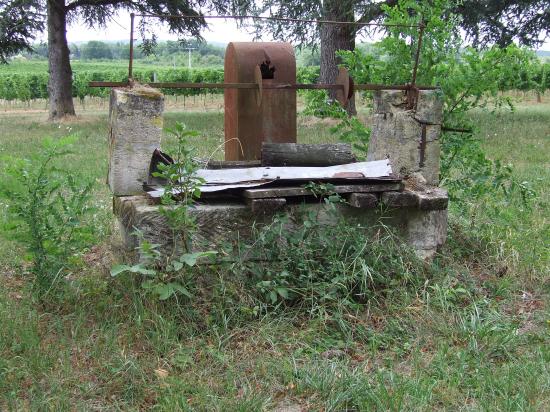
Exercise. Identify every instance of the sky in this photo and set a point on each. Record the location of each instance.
(222, 31)
(219, 31)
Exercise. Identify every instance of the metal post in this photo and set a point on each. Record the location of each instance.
(189, 56)
(417, 57)
(412, 93)
(131, 60)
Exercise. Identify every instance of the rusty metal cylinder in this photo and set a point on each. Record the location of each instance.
(263, 115)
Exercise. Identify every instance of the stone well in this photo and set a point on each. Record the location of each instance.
(409, 138)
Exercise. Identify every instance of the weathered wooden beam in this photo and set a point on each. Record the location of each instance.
(295, 154)
(269, 205)
(232, 164)
(262, 193)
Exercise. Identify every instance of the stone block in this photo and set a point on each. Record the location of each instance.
(429, 107)
(363, 200)
(429, 168)
(389, 101)
(433, 199)
(135, 120)
(400, 199)
(409, 138)
(222, 225)
(269, 205)
(426, 231)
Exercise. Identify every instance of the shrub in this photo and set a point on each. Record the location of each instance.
(321, 261)
(46, 207)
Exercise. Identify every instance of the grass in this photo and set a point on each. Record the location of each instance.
(473, 336)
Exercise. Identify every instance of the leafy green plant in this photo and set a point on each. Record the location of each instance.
(47, 205)
(468, 78)
(349, 130)
(163, 279)
(322, 262)
(470, 175)
(167, 273)
(182, 186)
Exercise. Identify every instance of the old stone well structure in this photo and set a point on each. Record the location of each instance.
(408, 199)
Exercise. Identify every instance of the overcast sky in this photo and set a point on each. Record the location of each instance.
(119, 29)
(222, 31)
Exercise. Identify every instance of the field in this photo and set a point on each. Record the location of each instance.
(473, 335)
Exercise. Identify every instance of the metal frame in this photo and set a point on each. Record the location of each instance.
(412, 88)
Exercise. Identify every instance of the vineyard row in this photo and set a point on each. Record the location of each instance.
(30, 86)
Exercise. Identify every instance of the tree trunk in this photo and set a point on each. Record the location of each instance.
(60, 82)
(333, 38)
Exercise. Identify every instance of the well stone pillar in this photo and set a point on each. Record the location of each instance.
(135, 121)
(409, 138)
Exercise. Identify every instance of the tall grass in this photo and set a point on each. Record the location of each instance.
(472, 335)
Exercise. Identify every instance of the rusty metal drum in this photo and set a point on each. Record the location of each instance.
(254, 116)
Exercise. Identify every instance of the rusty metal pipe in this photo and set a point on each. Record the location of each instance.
(131, 59)
(417, 56)
(273, 86)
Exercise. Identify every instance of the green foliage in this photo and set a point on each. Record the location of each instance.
(470, 175)
(19, 21)
(47, 205)
(349, 130)
(173, 279)
(468, 78)
(182, 186)
(166, 273)
(28, 83)
(96, 50)
(323, 263)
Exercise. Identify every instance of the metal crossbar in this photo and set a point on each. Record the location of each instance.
(412, 88)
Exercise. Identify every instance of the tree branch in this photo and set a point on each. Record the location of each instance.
(80, 3)
(374, 11)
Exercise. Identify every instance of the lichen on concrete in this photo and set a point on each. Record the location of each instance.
(136, 121)
(409, 138)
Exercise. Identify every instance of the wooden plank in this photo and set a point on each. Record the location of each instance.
(158, 191)
(294, 154)
(262, 193)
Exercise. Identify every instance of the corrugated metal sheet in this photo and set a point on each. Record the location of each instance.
(217, 180)
(378, 169)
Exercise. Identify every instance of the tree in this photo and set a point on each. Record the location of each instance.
(97, 50)
(21, 20)
(484, 21)
(330, 37)
(502, 21)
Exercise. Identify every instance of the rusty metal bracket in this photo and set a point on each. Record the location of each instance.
(412, 93)
(344, 83)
